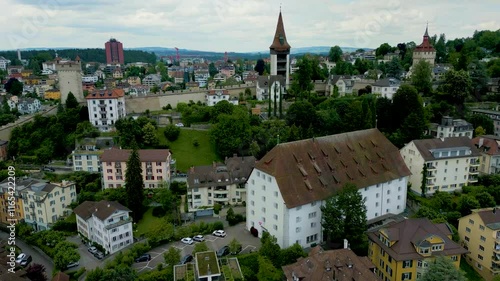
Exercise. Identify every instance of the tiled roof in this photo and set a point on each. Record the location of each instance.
(61, 276)
(102, 209)
(106, 94)
(426, 145)
(387, 82)
(234, 170)
(279, 41)
(218, 91)
(411, 232)
(490, 217)
(314, 169)
(322, 265)
(146, 155)
(426, 44)
(488, 144)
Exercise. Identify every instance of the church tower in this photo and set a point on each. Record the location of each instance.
(425, 51)
(280, 52)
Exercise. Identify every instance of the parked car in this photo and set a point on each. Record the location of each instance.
(187, 240)
(179, 125)
(99, 255)
(49, 169)
(219, 233)
(93, 250)
(73, 264)
(26, 260)
(199, 238)
(143, 258)
(224, 251)
(186, 259)
(20, 257)
(238, 250)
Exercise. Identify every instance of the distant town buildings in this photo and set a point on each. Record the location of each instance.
(450, 127)
(87, 151)
(494, 115)
(4, 63)
(106, 107)
(114, 51)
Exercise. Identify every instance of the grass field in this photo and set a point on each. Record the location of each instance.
(470, 274)
(145, 224)
(185, 153)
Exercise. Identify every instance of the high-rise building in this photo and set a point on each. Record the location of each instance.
(280, 52)
(114, 51)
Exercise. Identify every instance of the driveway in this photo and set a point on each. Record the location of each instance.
(38, 255)
(248, 242)
(87, 260)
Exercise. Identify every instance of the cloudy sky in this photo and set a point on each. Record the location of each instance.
(239, 26)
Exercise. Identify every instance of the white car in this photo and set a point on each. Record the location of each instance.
(219, 233)
(20, 257)
(179, 125)
(187, 240)
(199, 238)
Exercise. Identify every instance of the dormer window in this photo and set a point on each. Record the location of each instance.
(436, 248)
(424, 250)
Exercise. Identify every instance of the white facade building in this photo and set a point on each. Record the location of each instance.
(217, 95)
(4, 63)
(450, 127)
(451, 163)
(29, 105)
(386, 87)
(90, 78)
(87, 151)
(489, 147)
(290, 183)
(107, 223)
(106, 107)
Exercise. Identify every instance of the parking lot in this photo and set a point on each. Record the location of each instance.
(248, 242)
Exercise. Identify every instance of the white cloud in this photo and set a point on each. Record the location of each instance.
(231, 25)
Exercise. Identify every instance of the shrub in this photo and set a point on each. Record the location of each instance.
(65, 226)
(196, 143)
(217, 208)
(159, 211)
(172, 132)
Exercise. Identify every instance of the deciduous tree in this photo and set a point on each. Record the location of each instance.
(65, 253)
(172, 256)
(267, 271)
(149, 135)
(421, 77)
(335, 54)
(71, 101)
(270, 248)
(442, 269)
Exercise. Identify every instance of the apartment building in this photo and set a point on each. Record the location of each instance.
(106, 107)
(288, 186)
(451, 163)
(494, 115)
(480, 234)
(155, 167)
(386, 87)
(403, 250)
(489, 147)
(321, 265)
(85, 157)
(107, 223)
(214, 96)
(45, 203)
(10, 212)
(450, 127)
(219, 183)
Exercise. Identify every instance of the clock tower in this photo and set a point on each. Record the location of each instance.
(280, 52)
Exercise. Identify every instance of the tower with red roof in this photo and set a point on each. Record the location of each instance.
(425, 51)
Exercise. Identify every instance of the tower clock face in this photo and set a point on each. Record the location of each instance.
(282, 40)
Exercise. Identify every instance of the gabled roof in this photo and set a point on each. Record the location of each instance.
(279, 42)
(234, 170)
(426, 145)
(411, 232)
(146, 155)
(102, 209)
(106, 94)
(488, 144)
(387, 82)
(490, 217)
(61, 276)
(314, 169)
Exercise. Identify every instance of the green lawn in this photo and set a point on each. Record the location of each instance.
(185, 153)
(145, 224)
(470, 274)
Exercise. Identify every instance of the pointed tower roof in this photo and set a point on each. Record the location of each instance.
(426, 34)
(77, 58)
(426, 45)
(279, 41)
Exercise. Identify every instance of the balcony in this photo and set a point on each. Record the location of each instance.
(431, 175)
(102, 105)
(221, 199)
(118, 165)
(472, 179)
(118, 223)
(473, 170)
(221, 192)
(474, 163)
(430, 167)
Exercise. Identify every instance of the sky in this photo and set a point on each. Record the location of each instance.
(237, 26)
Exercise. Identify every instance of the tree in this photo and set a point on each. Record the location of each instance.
(479, 131)
(13, 87)
(134, 184)
(408, 114)
(222, 107)
(421, 77)
(483, 121)
(212, 70)
(267, 271)
(443, 269)
(200, 247)
(423, 185)
(260, 66)
(466, 203)
(172, 132)
(36, 272)
(172, 256)
(71, 101)
(270, 248)
(65, 253)
(344, 217)
(149, 135)
(301, 114)
(234, 246)
(384, 49)
(302, 81)
(394, 68)
(335, 54)
(231, 134)
(485, 199)
(291, 254)
(457, 87)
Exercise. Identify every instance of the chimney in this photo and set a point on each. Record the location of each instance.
(346, 244)
(481, 142)
(109, 205)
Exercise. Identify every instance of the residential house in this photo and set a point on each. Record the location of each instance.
(219, 183)
(214, 96)
(134, 80)
(85, 157)
(52, 94)
(489, 147)
(105, 108)
(201, 77)
(4, 63)
(15, 69)
(151, 80)
(108, 223)
(451, 163)
(386, 87)
(228, 70)
(494, 115)
(29, 106)
(49, 65)
(117, 73)
(439, 71)
(450, 127)
(480, 234)
(3, 150)
(249, 73)
(90, 78)
(11, 100)
(155, 167)
(138, 90)
(100, 74)
(404, 250)
(11, 203)
(273, 86)
(288, 186)
(219, 77)
(343, 84)
(321, 265)
(178, 76)
(45, 203)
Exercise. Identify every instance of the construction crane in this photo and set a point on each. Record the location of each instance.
(178, 57)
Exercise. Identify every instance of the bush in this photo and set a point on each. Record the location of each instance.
(172, 132)
(65, 226)
(159, 211)
(196, 143)
(217, 208)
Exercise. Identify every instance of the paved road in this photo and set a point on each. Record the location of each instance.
(38, 255)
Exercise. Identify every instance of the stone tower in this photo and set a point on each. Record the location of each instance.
(425, 51)
(280, 52)
(69, 74)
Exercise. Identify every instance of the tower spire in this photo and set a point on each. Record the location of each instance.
(279, 42)
(426, 30)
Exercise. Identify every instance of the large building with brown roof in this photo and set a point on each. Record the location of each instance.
(489, 147)
(290, 183)
(280, 52)
(106, 107)
(219, 183)
(403, 250)
(341, 265)
(155, 167)
(107, 223)
(451, 163)
(480, 234)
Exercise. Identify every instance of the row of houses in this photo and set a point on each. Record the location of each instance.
(22, 104)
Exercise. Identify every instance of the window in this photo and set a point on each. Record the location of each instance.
(276, 205)
(481, 227)
(312, 215)
(276, 194)
(297, 230)
(481, 248)
(480, 257)
(471, 221)
(454, 258)
(407, 264)
(313, 203)
(252, 192)
(275, 227)
(483, 238)
(298, 208)
(312, 238)
(197, 197)
(263, 188)
(263, 198)
(467, 229)
(376, 195)
(298, 219)
(275, 217)
(313, 224)
(263, 210)
(252, 203)
(466, 239)
(269, 179)
(406, 276)
(437, 248)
